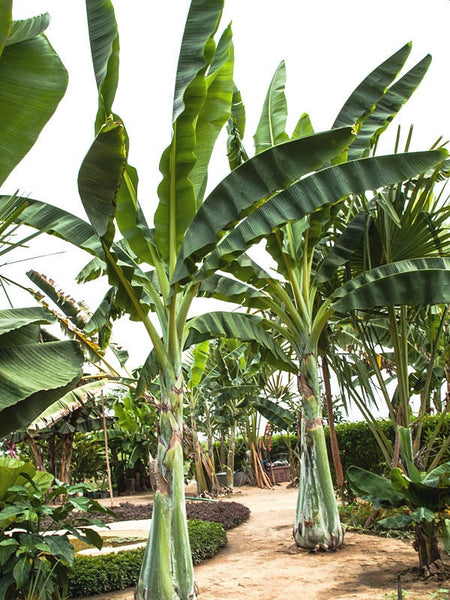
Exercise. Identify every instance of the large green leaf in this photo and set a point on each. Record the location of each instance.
(177, 204)
(33, 81)
(56, 221)
(52, 369)
(271, 129)
(276, 415)
(10, 474)
(374, 488)
(386, 109)
(214, 113)
(67, 404)
(363, 99)
(240, 326)
(104, 40)
(391, 285)
(5, 22)
(315, 191)
(12, 319)
(250, 184)
(343, 247)
(100, 177)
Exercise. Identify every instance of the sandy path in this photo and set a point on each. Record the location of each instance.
(261, 562)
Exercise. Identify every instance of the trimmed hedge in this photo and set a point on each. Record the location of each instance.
(117, 571)
(358, 446)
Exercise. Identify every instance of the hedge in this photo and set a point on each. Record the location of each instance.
(358, 446)
(117, 571)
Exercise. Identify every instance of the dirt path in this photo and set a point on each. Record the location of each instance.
(261, 562)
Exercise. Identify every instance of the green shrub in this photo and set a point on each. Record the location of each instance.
(206, 539)
(354, 517)
(117, 571)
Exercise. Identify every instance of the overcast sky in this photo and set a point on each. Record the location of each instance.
(328, 47)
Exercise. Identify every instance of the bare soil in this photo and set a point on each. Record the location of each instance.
(261, 562)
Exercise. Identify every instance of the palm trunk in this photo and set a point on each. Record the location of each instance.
(167, 572)
(317, 525)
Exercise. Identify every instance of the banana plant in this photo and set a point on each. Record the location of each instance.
(157, 273)
(400, 347)
(32, 82)
(426, 494)
(307, 290)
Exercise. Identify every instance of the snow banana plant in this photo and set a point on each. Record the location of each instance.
(297, 225)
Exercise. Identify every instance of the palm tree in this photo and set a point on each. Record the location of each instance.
(161, 270)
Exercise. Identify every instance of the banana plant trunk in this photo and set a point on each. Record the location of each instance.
(317, 525)
(167, 572)
(426, 545)
(229, 478)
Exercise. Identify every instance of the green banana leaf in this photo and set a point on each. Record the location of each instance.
(240, 326)
(249, 185)
(214, 113)
(276, 415)
(396, 96)
(363, 99)
(343, 247)
(32, 377)
(374, 488)
(33, 81)
(177, 202)
(271, 129)
(104, 41)
(56, 221)
(391, 284)
(100, 177)
(312, 192)
(200, 355)
(419, 494)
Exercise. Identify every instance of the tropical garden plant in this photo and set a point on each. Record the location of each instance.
(33, 81)
(156, 273)
(425, 493)
(315, 280)
(35, 562)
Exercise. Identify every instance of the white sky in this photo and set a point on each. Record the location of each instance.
(328, 46)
